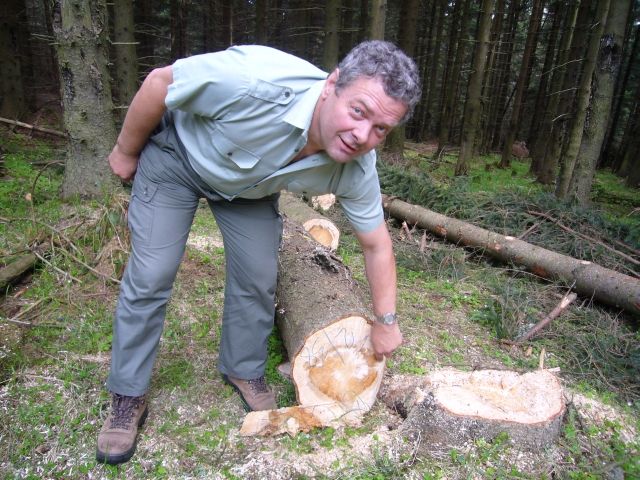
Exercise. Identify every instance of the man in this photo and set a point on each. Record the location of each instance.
(237, 127)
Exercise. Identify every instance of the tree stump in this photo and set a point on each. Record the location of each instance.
(449, 407)
(325, 328)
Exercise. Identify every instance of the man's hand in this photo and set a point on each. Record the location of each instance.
(385, 339)
(122, 164)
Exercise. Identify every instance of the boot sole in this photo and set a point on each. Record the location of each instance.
(102, 457)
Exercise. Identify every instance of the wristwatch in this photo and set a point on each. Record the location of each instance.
(387, 318)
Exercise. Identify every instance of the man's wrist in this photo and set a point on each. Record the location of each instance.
(389, 318)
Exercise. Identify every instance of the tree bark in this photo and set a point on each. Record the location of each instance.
(80, 30)
(124, 45)
(582, 102)
(523, 82)
(451, 408)
(178, 29)
(604, 80)
(12, 98)
(589, 279)
(325, 328)
(262, 22)
(377, 19)
(459, 35)
(541, 105)
(545, 163)
(331, 38)
(474, 105)
(394, 143)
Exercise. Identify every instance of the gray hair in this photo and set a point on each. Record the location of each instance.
(387, 63)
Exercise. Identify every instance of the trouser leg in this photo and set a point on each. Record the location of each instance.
(160, 215)
(251, 230)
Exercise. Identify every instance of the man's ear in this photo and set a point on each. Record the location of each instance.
(330, 84)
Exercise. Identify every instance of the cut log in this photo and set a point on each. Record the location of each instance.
(319, 227)
(589, 279)
(449, 408)
(325, 329)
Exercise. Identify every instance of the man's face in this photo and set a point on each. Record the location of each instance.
(355, 120)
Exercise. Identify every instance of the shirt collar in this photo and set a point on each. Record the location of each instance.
(301, 113)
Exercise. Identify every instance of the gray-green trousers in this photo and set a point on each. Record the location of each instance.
(164, 198)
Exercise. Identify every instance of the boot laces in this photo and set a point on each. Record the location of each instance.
(124, 410)
(258, 385)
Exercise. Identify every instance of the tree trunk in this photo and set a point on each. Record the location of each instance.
(377, 20)
(582, 102)
(457, 44)
(331, 39)
(613, 138)
(126, 61)
(545, 171)
(348, 32)
(474, 105)
(589, 279)
(262, 22)
(541, 105)
(453, 408)
(325, 329)
(13, 103)
(431, 72)
(522, 84)
(604, 80)
(178, 29)
(503, 78)
(365, 21)
(394, 143)
(80, 32)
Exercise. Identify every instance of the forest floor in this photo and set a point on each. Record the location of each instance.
(55, 334)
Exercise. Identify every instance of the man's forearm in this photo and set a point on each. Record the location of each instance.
(145, 111)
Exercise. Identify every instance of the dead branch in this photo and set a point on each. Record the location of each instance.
(33, 127)
(561, 307)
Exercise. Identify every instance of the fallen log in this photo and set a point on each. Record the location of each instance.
(325, 329)
(449, 408)
(589, 279)
(17, 269)
(321, 229)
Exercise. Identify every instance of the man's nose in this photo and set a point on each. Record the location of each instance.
(361, 132)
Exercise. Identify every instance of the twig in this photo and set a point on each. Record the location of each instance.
(91, 269)
(561, 307)
(33, 127)
(60, 271)
(586, 237)
(15, 318)
(528, 230)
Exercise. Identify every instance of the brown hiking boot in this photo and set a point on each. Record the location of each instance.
(255, 394)
(117, 439)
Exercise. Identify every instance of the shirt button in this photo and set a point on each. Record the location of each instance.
(229, 153)
(286, 94)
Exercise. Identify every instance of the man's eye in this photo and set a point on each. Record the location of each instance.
(358, 111)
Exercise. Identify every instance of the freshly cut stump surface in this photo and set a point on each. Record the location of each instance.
(451, 407)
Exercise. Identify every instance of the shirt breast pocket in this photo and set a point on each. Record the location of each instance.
(234, 153)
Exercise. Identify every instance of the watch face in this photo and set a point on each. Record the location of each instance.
(387, 318)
